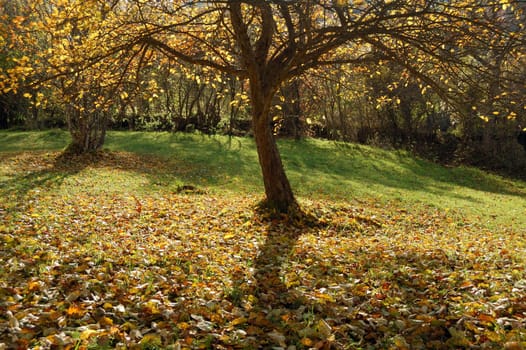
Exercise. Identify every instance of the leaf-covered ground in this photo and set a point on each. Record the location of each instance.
(88, 264)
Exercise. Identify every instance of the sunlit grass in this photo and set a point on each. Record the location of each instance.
(316, 168)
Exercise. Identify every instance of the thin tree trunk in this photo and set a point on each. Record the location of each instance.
(293, 123)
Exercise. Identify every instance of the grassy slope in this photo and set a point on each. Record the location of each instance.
(339, 171)
(406, 254)
(317, 169)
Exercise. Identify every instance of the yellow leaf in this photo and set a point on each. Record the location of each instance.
(400, 342)
(322, 297)
(75, 311)
(87, 334)
(105, 321)
(152, 307)
(238, 321)
(494, 337)
(151, 339)
(183, 326)
(33, 286)
(307, 342)
(128, 326)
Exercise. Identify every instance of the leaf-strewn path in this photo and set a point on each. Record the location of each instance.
(85, 266)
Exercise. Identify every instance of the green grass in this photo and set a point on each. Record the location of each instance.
(105, 251)
(216, 162)
(51, 140)
(317, 169)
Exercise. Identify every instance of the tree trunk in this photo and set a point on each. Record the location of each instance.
(264, 80)
(88, 131)
(278, 191)
(293, 121)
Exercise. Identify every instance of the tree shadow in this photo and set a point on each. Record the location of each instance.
(281, 237)
(34, 171)
(29, 173)
(275, 301)
(384, 296)
(204, 160)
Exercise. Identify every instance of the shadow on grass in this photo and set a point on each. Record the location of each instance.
(33, 172)
(44, 172)
(342, 163)
(16, 141)
(313, 166)
(221, 162)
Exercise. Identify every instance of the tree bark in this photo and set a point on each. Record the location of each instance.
(88, 131)
(279, 195)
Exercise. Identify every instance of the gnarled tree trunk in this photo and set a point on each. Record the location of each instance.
(88, 131)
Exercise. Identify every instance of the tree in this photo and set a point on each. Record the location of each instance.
(270, 42)
(62, 57)
(12, 105)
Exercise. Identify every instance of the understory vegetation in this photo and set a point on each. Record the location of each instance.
(157, 242)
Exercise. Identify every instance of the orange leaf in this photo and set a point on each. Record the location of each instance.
(34, 286)
(486, 318)
(75, 311)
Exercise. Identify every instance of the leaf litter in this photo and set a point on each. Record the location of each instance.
(89, 268)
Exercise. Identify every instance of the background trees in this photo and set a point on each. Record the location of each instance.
(104, 57)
